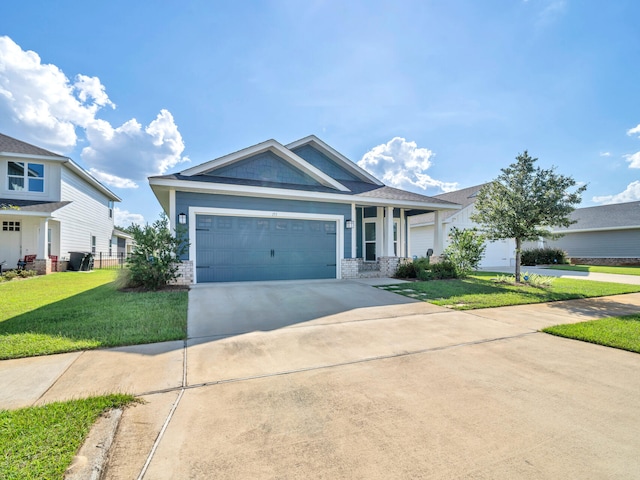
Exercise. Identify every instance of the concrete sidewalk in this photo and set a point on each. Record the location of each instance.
(390, 388)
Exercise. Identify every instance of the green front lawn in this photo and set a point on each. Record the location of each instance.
(598, 269)
(617, 332)
(40, 442)
(481, 291)
(72, 311)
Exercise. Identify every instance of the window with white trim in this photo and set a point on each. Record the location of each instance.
(10, 226)
(24, 176)
(93, 244)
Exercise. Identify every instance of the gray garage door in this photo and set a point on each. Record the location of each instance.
(238, 249)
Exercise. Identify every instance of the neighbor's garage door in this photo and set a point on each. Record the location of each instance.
(238, 249)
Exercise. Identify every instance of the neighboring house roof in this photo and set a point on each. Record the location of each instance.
(12, 147)
(617, 216)
(121, 234)
(463, 197)
(310, 178)
(32, 206)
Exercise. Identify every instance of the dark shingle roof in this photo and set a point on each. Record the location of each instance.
(12, 145)
(33, 205)
(617, 215)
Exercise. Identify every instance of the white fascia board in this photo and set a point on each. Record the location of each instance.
(601, 229)
(23, 213)
(33, 157)
(286, 194)
(278, 149)
(336, 156)
(86, 176)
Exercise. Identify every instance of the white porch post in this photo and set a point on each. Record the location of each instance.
(437, 234)
(388, 233)
(354, 230)
(403, 234)
(172, 210)
(43, 238)
(379, 232)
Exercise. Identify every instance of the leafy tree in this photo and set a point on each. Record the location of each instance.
(524, 201)
(156, 254)
(465, 250)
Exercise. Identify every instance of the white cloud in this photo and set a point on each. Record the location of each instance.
(634, 160)
(630, 194)
(402, 164)
(133, 150)
(635, 130)
(123, 218)
(605, 154)
(40, 102)
(112, 180)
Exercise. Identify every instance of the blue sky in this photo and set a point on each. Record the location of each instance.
(429, 96)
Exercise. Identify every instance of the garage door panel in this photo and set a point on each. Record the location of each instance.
(247, 248)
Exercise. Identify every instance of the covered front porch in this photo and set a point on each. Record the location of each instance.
(381, 241)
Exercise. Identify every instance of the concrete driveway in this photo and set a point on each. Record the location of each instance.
(366, 384)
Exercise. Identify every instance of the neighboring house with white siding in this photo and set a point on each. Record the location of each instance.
(50, 206)
(500, 253)
(602, 235)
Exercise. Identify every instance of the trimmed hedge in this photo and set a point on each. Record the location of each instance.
(543, 256)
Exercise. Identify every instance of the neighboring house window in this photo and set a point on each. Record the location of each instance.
(26, 176)
(93, 244)
(111, 247)
(10, 226)
(110, 208)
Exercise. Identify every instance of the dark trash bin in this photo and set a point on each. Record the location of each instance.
(79, 261)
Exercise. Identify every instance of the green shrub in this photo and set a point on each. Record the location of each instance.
(543, 256)
(27, 273)
(411, 269)
(156, 254)
(444, 269)
(465, 250)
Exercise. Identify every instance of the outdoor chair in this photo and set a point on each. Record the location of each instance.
(22, 264)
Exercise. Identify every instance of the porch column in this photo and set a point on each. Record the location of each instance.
(354, 230)
(43, 238)
(402, 236)
(388, 233)
(379, 232)
(437, 233)
(172, 210)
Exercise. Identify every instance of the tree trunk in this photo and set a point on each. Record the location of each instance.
(518, 251)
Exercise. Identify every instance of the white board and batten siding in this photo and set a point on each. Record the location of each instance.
(87, 215)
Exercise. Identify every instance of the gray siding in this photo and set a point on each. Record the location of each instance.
(324, 163)
(184, 200)
(608, 244)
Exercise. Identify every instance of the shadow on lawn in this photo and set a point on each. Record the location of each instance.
(100, 317)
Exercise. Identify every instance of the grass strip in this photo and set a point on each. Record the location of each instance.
(598, 269)
(72, 311)
(481, 291)
(617, 332)
(40, 442)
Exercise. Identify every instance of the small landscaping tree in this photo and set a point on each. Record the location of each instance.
(156, 254)
(465, 250)
(524, 201)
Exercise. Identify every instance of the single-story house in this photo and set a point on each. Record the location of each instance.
(500, 253)
(284, 212)
(49, 207)
(602, 235)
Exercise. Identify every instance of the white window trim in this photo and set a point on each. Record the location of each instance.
(26, 178)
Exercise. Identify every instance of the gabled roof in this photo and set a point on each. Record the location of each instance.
(336, 156)
(463, 197)
(605, 217)
(274, 147)
(10, 146)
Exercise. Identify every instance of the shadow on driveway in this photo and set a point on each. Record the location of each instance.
(232, 309)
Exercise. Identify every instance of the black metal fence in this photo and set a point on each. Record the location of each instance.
(109, 262)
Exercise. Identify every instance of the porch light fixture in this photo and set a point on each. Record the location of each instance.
(182, 219)
(348, 224)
